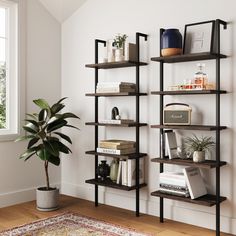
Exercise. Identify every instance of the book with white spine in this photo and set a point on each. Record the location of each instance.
(116, 151)
(119, 173)
(171, 145)
(195, 182)
(121, 121)
(124, 173)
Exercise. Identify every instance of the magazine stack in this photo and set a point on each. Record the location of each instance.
(174, 183)
(115, 87)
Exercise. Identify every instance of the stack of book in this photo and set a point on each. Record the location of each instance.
(174, 183)
(116, 122)
(127, 172)
(116, 147)
(115, 87)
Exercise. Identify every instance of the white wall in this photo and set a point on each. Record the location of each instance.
(19, 179)
(103, 19)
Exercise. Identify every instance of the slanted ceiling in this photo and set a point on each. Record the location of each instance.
(62, 9)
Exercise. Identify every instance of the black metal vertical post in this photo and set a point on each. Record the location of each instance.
(138, 35)
(162, 147)
(97, 41)
(218, 22)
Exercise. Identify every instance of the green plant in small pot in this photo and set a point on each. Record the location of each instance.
(119, 43)
(198, 146)
(44, 142)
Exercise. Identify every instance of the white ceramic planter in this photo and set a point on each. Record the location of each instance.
(199, 156)
(119, 54)
(47, 200)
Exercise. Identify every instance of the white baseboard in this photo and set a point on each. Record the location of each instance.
(20, 196)
(149, 206)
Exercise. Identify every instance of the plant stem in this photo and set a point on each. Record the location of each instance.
(46, 172)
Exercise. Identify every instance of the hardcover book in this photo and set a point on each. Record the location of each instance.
(171, 145)
(195, 182)
(131, 173)
(116, 144)
(117, 151)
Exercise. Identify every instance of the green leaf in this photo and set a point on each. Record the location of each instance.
(43, 115)
(32, 142)
(35, 123)
(56, 108)
(24, 138)
(31, 129)
(33, 116)
(71, 126)
(69, 115)
(43, 154)
(29, 156)
(54, 160)
(28, 152)
(57, 124)
(52, 147)
(67, 138)
(43, 104)
(61, 100)
(63, 148)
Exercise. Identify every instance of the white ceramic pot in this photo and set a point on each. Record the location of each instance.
(199, 156)
(47, 200)
(119, 54)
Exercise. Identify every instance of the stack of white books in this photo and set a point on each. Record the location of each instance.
(127, 172)
(116, 147)
(174, 183)
(115, 87)
(116, 122)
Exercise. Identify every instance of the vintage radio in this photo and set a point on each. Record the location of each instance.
(177, 114)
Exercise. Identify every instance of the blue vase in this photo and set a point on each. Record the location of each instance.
(171, 42)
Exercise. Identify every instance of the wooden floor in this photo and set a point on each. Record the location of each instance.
(26, 212)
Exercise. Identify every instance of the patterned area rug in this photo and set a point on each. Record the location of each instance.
(70, 224)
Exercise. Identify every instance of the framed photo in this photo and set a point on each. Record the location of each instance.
(199, 37)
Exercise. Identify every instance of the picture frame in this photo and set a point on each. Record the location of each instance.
(199, 37)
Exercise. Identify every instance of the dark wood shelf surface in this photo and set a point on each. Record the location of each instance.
(108, 183)
(188, 92)
(188, 57)
(206, 200)
(208, 164)
(119, 64)
(114, 94)
(127, 156)
(131, 124)
(189, 127)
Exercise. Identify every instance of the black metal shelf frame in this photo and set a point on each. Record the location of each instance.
(137, 65)
(217, 93)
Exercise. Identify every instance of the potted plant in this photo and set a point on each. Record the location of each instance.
(119, 43)
(198, 146)
(44, 142)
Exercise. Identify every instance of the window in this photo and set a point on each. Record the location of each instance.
(9, 104)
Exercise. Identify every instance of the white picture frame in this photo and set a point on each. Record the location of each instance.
(199, 37)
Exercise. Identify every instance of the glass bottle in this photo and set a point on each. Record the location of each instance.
(114, 170)
(200, 77)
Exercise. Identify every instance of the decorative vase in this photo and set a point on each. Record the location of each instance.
(119, 54)
(103, 170)
(171, 42)
(47, 200)
(198, 156)
(114, 170)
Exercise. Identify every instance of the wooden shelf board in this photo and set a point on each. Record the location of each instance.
(208, 164)
(131, 124)
(119, 64)
(127, 156)
(206, 200)
(188, 57)
(114, 94)
(110, 184)
(189, 127)
(188, 92)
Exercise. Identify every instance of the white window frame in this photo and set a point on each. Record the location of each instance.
(15, 107)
